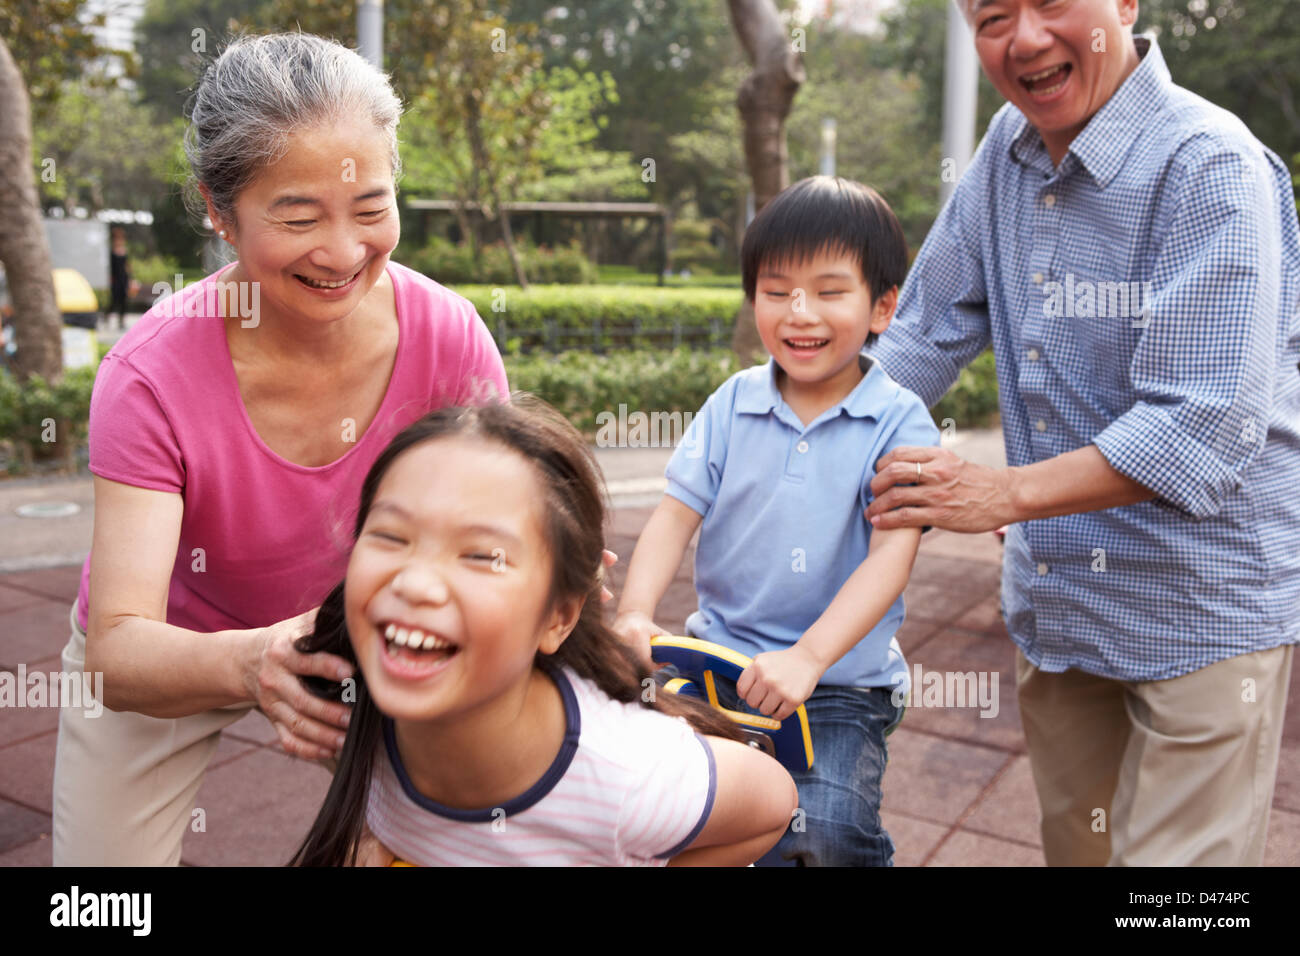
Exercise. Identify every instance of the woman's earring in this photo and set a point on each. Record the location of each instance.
(222, 234)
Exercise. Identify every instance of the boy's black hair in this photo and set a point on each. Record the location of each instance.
(827, 213)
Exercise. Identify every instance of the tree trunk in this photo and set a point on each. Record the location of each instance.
(38, 327)
(764, 102)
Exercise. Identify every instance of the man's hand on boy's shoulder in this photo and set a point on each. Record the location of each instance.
(777, 682)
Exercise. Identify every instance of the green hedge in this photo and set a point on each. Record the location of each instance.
(972, 402)
(449, 263)
(579, 384)
(26, 413)
(558, 317)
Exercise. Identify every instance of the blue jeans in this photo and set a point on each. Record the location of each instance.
(838, 821)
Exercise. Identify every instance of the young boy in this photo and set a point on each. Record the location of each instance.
(777, 465)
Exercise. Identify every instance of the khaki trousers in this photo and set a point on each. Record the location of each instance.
(1175, 772)
(124, 783)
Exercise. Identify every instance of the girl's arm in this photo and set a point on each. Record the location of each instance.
(752, 807)
(655, 561)
(777, 682)
(160, 670)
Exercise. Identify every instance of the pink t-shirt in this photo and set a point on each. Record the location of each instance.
(263, 539)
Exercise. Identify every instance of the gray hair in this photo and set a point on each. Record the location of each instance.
(259, 91)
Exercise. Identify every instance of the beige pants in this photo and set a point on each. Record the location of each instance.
(124, 783)
(1174, 772)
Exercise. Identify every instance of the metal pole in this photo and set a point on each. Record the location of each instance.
(960, 90)
(370, 31)
(828, 147)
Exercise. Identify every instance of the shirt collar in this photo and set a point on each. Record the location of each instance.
(1103, 144)
(759, 395)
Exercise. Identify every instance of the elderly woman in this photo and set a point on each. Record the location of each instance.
(230, 431)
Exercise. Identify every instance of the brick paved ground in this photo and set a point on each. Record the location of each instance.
(958, 790)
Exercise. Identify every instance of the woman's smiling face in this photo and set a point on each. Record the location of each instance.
(325, 213)
(447, 590)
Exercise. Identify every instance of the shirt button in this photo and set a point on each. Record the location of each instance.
(801, 447)
(1041, 425)
(1038, 278)
(1049, 200)
(1042, 569)
(1033, 355)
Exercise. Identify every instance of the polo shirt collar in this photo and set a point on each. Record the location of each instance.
(1104, 143)
(759, 395)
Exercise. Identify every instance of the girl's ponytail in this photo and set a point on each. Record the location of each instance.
(333, 838)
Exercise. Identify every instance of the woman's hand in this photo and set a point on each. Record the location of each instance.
(308, 726)
(608, 559)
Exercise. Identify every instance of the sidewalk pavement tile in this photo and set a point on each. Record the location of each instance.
(255, 728)
(29, 772)
(258, 807)
(956, 652)
(985, 547)
(1283, 846)
(914, 633)
(1287, 792)
(21, 723)
(941, 589)
(936, 779)
(913, 838)
(985, 618)
(61, 583)
(33, 632)
(19, 825)
(1010, 810)
(11, 598)
(229, 748)
(37, 852)
(972, 849)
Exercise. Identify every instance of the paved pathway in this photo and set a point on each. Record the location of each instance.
(957, 792)
(958, 789)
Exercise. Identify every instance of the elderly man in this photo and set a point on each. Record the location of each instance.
(1132, 253)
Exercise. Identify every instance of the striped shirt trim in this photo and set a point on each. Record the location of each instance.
(708, 805)
(534, 794)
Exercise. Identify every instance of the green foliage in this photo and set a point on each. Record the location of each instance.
(972, 402)
(631, 275)
(628, 316)
(451, 263)
(582, 385)
(53, 41)
(693, 248)
(28, 409)
(1239, 54)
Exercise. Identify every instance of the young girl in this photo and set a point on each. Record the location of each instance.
(497, 719)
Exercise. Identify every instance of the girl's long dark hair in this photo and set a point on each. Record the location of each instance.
(574, 514)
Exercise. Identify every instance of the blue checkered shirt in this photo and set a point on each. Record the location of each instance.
(1142, 297)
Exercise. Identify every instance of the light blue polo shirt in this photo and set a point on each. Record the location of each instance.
(783, 510)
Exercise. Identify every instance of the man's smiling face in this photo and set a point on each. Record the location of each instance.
(1057, 61)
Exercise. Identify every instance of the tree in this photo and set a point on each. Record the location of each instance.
(1239, 54)
(52, 41)
(109, 150)
(488, 106)
(38, 328)
(764, 103)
